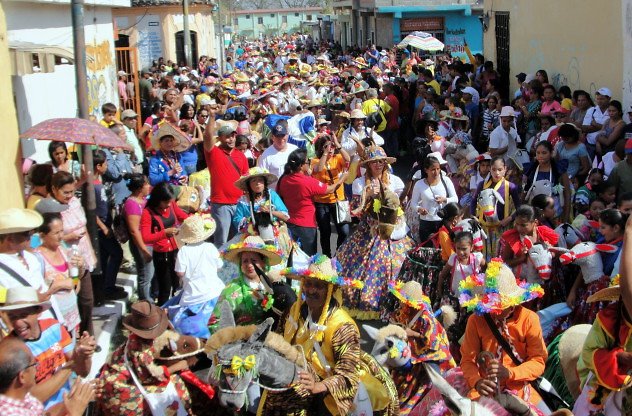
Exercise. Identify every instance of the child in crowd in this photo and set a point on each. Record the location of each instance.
(586, 193)
(450, 215)
(607, 192)
(197, 264)
(109, 115)
(625, 203)
(545, 210)
(504, 210)
(585, 222)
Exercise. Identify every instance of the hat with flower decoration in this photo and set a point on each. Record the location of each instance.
(253, 244)
(375, 153)
(410, 294)
(611, 293)
(197, 228)
(241, 183)
(323, 268)
(495, 290)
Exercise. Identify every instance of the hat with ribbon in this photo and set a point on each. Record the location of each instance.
(253, 244)
(322, 268)
(495, 290)
(255, 172)
(375, 153)
(196, 228)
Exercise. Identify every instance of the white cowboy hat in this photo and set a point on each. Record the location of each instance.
(19, 220)
(23, 297)
(507, 111)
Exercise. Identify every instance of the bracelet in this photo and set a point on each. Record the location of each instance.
(64, 366)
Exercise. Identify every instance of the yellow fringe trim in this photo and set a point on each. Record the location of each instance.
(262, 401)
(363, 315)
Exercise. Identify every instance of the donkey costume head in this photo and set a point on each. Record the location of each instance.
(540, 260)
(391, 348)
(586, 256)
(249, 354)
(487, 202)
(473, 226)
(569, 235)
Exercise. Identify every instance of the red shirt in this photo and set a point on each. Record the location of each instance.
(393, 115)
(153, 231)
(297, 191)
(224, 174)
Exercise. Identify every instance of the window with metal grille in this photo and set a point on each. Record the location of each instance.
(502, 50)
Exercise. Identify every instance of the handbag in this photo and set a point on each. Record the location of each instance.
(119, 225)
(543, 386)
(376, 118)
(343, 209)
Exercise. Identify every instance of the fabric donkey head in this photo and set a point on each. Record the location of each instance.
(473, 226)
(391, 348)
(487, 202)
(586, 256)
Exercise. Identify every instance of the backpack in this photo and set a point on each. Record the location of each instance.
(376, 118)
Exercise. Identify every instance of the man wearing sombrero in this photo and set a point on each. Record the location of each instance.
(496, 298)
(605, 364)
(331, 342)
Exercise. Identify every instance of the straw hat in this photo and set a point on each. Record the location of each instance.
(23, 297)
(197, 228)
(480, 158)
(322, 268)
(357, 113)
(373, 153)
(254, 244)
(146, 320)
(359, 87)
(288, 80)
(507, 111)
(240, 77)
(611, 293)
(167, 129)
(19, 220)
(410, 293)
(255, 172)
(495, 290)
(314, 103)
(457, 114)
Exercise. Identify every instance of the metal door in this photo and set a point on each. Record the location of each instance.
(127, 60)
(502, 51)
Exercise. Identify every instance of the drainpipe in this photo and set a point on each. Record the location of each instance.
(81, 77)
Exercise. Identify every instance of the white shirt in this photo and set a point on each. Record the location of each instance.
(461, 271)
(34, 276)
(199, 263)
(600, 117)
(279, 63)
(350, 145)
(500, 138)
(275, 160)
(395, 185)
(424, 197)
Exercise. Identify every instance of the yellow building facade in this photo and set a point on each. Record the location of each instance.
(580, 43)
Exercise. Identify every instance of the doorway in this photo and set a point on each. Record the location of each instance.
(180, 48)
(502, 52)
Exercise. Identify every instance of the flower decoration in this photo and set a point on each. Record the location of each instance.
(332, 275)
(558, 189)
(377, 205)
(481, 293)
(396, 288)
(615, 280)
(267, 302)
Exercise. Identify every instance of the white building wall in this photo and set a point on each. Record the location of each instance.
(41, 96)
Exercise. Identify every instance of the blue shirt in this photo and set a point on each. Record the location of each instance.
(243, 212)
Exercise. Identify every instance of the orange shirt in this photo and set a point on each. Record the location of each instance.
(526, 336)
(336, 164)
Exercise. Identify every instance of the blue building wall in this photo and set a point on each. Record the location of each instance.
(459, 25)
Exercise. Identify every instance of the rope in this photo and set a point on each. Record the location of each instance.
(422, 264)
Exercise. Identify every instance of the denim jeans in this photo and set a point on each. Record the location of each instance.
(144, 271)
(325, 214)
(223, 216)
(111, 258)
(168, 281)
(391, 141)
(305, 236)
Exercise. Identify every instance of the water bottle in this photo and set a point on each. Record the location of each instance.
(74, 270)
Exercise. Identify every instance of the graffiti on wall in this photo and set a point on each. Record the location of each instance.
(101, 70)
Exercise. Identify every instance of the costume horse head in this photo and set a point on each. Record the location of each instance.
(586, 256)
(473, 226)
(539, 262)
(243, 355)
(487, 202)
(391, 348)
(569, 235)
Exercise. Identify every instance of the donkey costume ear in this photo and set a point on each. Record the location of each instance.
(261, 333)
(606, 248)
(371, 331)
(498, 197)
(594, 224)
(457, 404)
(226, 319)
(558, 250)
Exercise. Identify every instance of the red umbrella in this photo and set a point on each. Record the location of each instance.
(75, 130)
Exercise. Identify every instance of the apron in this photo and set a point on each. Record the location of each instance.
(157, 402)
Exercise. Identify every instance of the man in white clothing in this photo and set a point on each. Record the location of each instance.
(275, 157)
(595, 118)
(504, 138)
(352, 137)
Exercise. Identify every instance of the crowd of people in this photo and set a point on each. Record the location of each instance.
(225, 201)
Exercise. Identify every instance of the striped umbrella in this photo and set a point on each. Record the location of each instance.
(75, 130)
(422, 40)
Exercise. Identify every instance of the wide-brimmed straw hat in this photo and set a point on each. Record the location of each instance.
(457, 114)
(167, 129)
(373, 153)
(611, 293)
(255, 172)
(495, 290)
(197, 228)
(19, 220)
(410, 294)
(357, 113)
(322, 268)
(23, 297)
(253, 244)
(146, 320)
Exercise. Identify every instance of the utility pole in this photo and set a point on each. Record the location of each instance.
(187, 33)
(220, 27)
(81, 78)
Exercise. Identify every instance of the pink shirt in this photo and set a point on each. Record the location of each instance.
(549, 108)
(74, 219)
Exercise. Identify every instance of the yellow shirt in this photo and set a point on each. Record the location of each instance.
(435, 86)
(371, 106)
(567, 104)
(336, 165)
